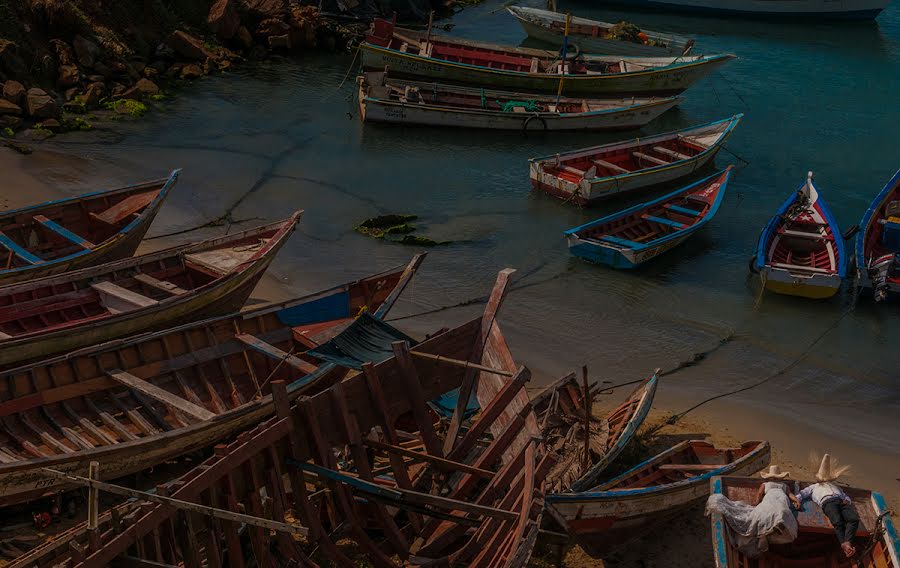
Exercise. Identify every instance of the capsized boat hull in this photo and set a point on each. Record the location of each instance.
(806, 10)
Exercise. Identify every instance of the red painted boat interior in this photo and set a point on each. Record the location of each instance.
(796, 250)
(90, 220)
(875, 248)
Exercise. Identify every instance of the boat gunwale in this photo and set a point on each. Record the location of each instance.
(865, 224)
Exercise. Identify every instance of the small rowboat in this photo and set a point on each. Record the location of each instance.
(118, 299)
(588, 175)
(408, 102)
(591, 36)
(626, 506)
(876, 540)
(632, 237)
(878, 242)
(411, 53)
(134, 403)
(77, 232)
(801, 250)
(799, 10)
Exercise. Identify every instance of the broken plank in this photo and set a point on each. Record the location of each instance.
(161, 395)
(270, 350)
(159, 284)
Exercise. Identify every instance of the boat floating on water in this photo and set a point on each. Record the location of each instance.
(591, 36)
(795, 10)
(801, 250)
(411, 53)
(77, 232)
(398, 101)
(640, 233)
(628, 506)
(588, 175)
(816, 544)
(878, 243)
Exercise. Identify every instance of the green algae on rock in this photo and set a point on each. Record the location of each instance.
(382, 225)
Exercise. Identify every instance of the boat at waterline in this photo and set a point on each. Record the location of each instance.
(801, 250)
(624, 508)
(93, 305)
(645, 231)
(588, 175)
(137, 402)
(795, 10)
(591, 36)
(397, 101)
(878, 243)
(411, 53)
(77, 232)
(876, 540)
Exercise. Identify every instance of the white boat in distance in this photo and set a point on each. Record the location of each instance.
(768, 9)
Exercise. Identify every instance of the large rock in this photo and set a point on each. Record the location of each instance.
(86, 51)
(40, 105)
(7, 107)
(272, 27)
(223, 19)
(10, 61)
(64, 53)
(14, 92)
(69, 76)
(10, 121)
(191, 71)
(188, 46)
(143, 88)
(93, 94)
(262, 9)
(244, 37)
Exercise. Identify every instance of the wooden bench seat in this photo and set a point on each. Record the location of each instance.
(671, 153)
(689, 466)
(160, 284)
(798, 267)
(273, 352)
(647, 158)
(801, 234)
(20, 252)
(125, 208)
(161, 395)
(118, 299)
(611, 166)
(663, 221)
(61, 231)
(618, 241)
(681, 210)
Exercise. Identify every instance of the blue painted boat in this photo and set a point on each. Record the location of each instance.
(876, 539)
(878, 242)
(801, 250)
(640, 233)
(795, 10)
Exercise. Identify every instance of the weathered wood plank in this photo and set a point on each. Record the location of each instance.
(162, 395)
(273, 352)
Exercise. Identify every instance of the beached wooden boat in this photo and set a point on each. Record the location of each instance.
(588, 175)
(627, 506)
(876, 541)
(335, 474)
(77, 232)
(795, 10)
(561, 410)
(89, 306)
(137, 402)
(591, 36)
(412, 53)
(400, 101)
(878, 243)
(801, 250)
(640, 233)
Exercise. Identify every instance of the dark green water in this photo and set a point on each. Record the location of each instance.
(821, 98)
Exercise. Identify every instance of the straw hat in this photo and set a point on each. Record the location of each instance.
(829, 469)
(774, 473)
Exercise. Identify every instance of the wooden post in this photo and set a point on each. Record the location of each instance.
(428, 34)
(587, 416)
(93, 506)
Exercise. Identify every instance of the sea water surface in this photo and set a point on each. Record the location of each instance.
(268, 139)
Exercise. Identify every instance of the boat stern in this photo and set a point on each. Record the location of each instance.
(813, 286)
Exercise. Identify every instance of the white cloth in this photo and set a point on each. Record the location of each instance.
(818, 493)
(753, 529)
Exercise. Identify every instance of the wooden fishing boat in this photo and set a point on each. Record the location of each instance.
(335, 467)
(137, 402)
(89, 306)
(397, 101)
(411, 53)
(876, 541)
(797, 10)
(640, 233)
(561, 410)
(801, 250)
(627, 506)
(878, 243)
(591, 36)
(588, 175)
(86, 230)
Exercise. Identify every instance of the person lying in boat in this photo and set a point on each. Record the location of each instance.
(836, 505)
(770, 521)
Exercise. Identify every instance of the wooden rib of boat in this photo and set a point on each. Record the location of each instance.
(878, 243)
(643, 232)
(816, 545)
(395, 101)
(588, 175)
(561, 410)
(796, 10)
(627, 506)
(89, 306)
(591, 36)
(86, 230)
(801, 250)
(137, 402)
(397, 498)
(413, 53)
